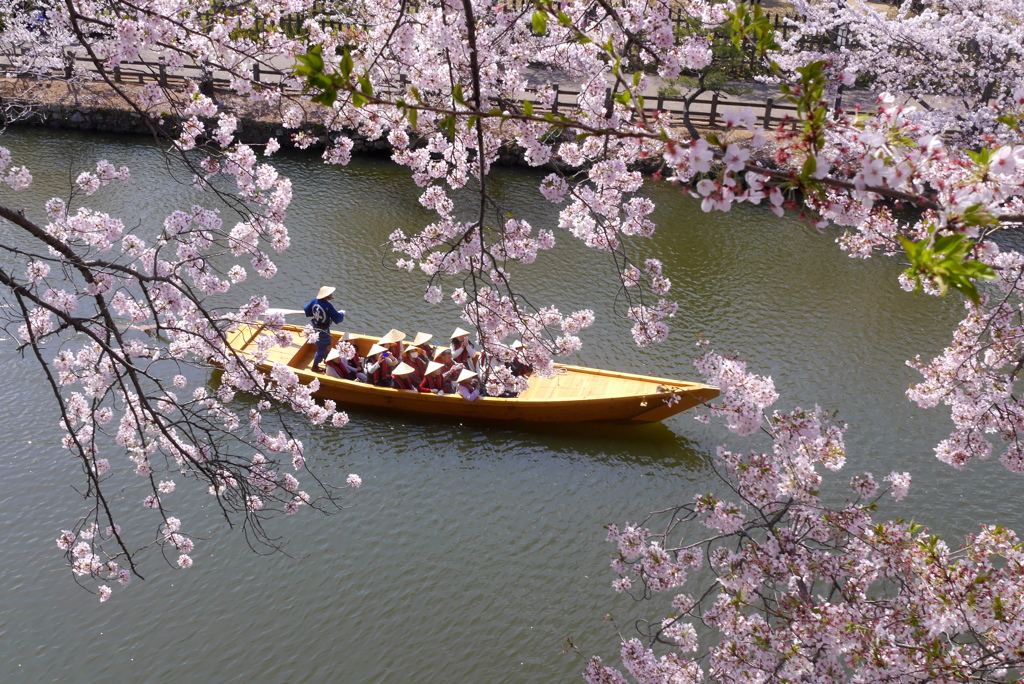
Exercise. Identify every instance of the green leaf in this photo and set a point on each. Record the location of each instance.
(358, 100)
(539, 22)
(365, 86)
(981, 157)
(944, 262)
(457, 94)
(326, 98)
(413, 115)
(346, 64)
(809, 167)
(311, 63)
(527, 108)
(623, 97)
(447, 124)
(1011, 121)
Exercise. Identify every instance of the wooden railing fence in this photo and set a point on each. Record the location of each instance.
(706, 110)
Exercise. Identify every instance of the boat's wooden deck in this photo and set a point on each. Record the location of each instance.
(581, 385)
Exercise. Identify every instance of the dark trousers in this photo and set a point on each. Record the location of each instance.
(323, 345)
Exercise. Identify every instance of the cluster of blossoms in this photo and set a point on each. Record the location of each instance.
(111, 381)
(794, 588)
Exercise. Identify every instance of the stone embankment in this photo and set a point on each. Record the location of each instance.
(95, 106)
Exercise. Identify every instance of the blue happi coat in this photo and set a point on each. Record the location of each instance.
(323, 313)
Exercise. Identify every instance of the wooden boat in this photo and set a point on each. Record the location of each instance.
(573, 394)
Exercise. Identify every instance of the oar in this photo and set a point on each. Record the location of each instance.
(283, 312)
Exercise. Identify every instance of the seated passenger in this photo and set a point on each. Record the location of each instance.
(403, 378)
(392, 342)
(451, 369)
(353, 364)
(463, 351)
(443, 355)
(342, 368)
(466, 386)
(377, 368)
(432, 380)
(518, 364)
(419, 353)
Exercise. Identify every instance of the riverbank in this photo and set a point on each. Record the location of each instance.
(95, 106)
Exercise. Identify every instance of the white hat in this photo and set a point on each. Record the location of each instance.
(333, 354)
(433, 367)
(421, 338)
(403, 369)
(376, 349)
(439, 351)
(325, 291)
(516, 344)
(392, 336)
(346, 337)
(459, 332)
(466, 374)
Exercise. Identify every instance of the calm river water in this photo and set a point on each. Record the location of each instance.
(471, 553)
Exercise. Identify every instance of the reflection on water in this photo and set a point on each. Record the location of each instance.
(472, 551)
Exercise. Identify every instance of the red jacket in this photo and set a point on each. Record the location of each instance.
(432, 382)
(403, 382)
(419, 363)
(381, 376)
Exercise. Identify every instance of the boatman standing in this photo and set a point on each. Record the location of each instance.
(323, 314)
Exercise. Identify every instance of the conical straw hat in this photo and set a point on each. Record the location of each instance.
(459, 332)
(403, 369)
(421, 338)
(376, 349)
(325, 291)
(466, 374)
(392, 336)
(333, 354)
(439, 351)
(433, 367)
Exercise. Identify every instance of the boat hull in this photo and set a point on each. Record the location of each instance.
(573, 394)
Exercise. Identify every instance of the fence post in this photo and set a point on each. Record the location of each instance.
(163, 71)
(713, 115)
(661, 101)
(117, 73)
(989, 91)
(608, 102)
(554, 103)
(839, 98)
(69, 64)
(206, 80)
(256, 71)
(768, 112)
